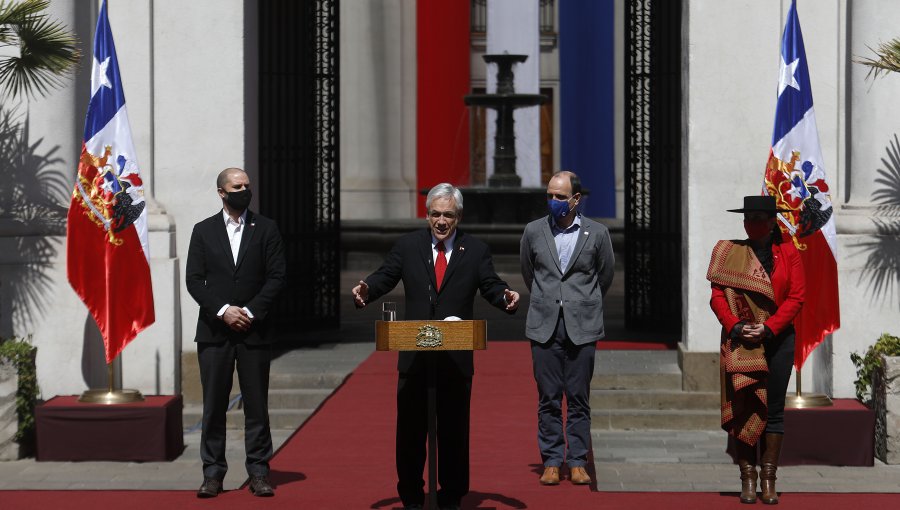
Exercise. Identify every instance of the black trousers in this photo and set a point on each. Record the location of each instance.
(217, 363)
(780, 358)
(454, 391)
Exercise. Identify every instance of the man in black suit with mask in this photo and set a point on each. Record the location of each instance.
(235, 270)
(441, 269)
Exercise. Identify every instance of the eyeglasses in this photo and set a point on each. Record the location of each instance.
(450, 215)
(551, 196)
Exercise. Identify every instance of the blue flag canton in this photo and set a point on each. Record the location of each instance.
(110, 96)
(794, 89)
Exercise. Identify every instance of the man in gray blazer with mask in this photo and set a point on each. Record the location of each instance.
(567, 262)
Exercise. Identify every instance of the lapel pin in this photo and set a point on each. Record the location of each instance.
(586, 232)
(462, 248)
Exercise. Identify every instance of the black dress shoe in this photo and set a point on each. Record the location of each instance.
(211, 488)
(259, 486)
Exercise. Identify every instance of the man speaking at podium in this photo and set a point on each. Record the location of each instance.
(442, 269)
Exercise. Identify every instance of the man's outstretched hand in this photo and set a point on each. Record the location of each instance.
(361, 294)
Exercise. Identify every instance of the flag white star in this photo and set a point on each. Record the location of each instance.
(99, 77)
(786, 75)
(108, 186)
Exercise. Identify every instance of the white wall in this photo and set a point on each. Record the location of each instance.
(730, 77)
(378, 109)
(873, 115)
(198, 116)
(732, 52)
(186, 81)
(68, 345)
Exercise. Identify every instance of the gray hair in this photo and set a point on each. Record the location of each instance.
(444, 190)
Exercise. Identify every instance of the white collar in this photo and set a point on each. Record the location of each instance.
(228, 219)
(448, 243)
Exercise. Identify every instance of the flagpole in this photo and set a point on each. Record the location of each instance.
(801, 401)
(110, 395)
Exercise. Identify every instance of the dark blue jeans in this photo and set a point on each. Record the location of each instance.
(563, 368)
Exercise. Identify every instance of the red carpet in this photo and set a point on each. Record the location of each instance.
(634, 345)
(342, 458)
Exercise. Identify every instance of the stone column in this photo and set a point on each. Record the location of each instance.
(378, 110)
(869, 201)
(886, 394)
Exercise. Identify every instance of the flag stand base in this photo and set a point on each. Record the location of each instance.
(801, 401)
(110, 397)
(808, 400)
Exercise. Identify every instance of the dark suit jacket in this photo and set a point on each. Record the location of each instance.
(214, 279)
(470, 269)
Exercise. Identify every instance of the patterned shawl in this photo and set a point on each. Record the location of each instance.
(743, 368)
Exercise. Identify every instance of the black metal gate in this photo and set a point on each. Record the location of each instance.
(298, 153)
(653, 211)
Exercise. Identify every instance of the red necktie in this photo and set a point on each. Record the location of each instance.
(440, 264)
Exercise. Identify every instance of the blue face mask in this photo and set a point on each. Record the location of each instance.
(559, 209)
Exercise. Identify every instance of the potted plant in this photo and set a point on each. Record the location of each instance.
(18, 395)
(878, 386)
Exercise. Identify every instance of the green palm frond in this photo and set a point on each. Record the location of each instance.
(888, 59)
(13, 12)
(47, 50)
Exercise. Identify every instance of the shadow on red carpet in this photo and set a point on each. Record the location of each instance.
(343, 457)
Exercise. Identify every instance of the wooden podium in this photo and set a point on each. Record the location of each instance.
(427, 338)
(430, 335)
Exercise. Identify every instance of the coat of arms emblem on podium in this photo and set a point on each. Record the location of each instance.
(429, 336)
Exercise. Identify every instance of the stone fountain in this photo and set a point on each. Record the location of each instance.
(504, 200)
(505, 100)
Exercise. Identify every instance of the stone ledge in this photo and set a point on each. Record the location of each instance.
(378, 236)
(886, 393)
(700, 370)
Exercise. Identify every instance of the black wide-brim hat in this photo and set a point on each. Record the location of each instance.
(762, 203)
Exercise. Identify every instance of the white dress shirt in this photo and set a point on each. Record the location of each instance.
(235, 231)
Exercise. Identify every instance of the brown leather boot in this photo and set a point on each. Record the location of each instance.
(746, 457)
(768, 466)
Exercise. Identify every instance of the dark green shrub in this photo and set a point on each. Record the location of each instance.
(870, 362)
(21, 354)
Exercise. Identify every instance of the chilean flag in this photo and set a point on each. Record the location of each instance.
(107, 249)
(795, 176)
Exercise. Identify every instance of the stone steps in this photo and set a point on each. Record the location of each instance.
(288, 419)
(644, 419)
(658, 381)
(299, 382)
(327, 380)
(286, 407)
(654, 400)
(642, 390)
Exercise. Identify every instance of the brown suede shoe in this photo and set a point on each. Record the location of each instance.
(550, 476)
(579, 476)
(259, 486)
(211, 488)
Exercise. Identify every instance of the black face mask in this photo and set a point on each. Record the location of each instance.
(238, 200)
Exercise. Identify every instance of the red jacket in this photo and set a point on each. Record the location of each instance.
(789, 285)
